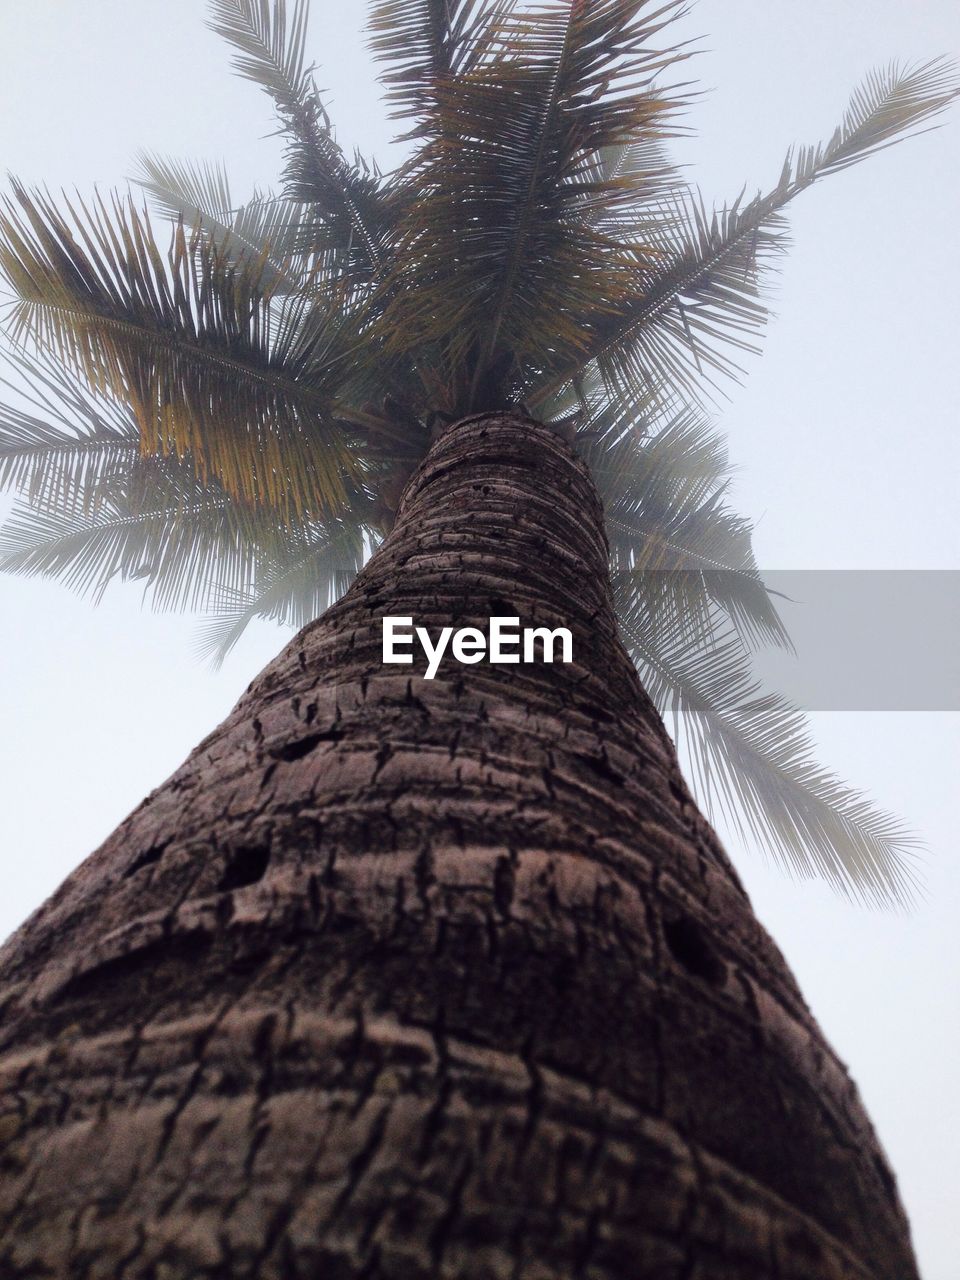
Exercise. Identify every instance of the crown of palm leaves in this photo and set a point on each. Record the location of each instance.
(228, 415)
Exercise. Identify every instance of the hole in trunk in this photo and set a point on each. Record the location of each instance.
(145, 859)
(128, 968)
(690, 948)
(292, 751)
(246, 866)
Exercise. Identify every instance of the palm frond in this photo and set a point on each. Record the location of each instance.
(424, 42)
(699, 304)
(88, 550)
(649, 176)
(94, 511)
(501, 254)
(292, 587)
(189, 544)
(263, 229)
(889, 107)
(685, 455)
(751, 759)
(270, 46)
(677, 551)
(187, 191)
(58, 441)
(152, 522)
(190, 341)
(344, 197)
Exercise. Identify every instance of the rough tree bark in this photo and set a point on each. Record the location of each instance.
(413, 979)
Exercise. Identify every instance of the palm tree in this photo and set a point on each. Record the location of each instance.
(398, 977)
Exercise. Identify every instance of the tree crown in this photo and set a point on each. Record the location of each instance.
(229, 412)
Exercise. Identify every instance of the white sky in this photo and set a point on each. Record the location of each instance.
(845, 434)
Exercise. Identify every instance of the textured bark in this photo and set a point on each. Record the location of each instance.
(411, 979)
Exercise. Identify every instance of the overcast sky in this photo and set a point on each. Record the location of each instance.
(845, 436)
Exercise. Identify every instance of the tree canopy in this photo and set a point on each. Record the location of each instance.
(226, 408)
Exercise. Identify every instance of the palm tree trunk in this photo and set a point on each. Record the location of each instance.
(406, 978)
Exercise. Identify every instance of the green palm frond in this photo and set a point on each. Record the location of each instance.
(751, 760)
(648, 182)
(263, 229)
(690, 604)
(649, 176)
(94, 511)
(890, 106)
(60, 441)
(425, 42)
(700, 303)
(346, 199)
(270, 47)
(189, 544)
(292, 586)
(170, 550)
(147, 520)
(686, 455)
(188, 191)
(501, 255)
(677, 551)
(668, 577)
(190, 341)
